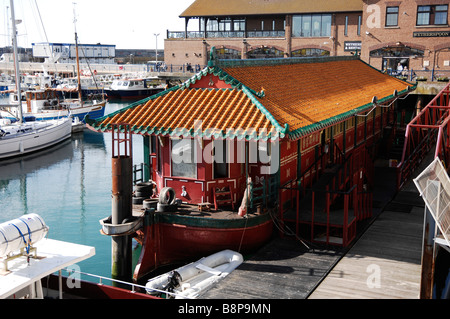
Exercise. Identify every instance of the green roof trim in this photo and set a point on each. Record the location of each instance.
(263, 110)
(235, 63)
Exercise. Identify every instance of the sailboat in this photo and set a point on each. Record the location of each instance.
(45, 103)
(20, 137)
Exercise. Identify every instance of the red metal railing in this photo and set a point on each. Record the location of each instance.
(355, 204)
(429, 127)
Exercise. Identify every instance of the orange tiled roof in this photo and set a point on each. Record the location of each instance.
(273, 98)
(175, 113)
(304, 94)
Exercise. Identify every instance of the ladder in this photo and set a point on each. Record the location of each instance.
(223, 196)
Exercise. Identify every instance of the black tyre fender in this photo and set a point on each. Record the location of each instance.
(167, 196)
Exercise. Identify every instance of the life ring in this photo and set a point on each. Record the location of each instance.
(167, 196)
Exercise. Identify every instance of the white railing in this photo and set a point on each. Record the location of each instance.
(71, 67)
(125, 283)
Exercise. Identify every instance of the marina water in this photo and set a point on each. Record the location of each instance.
(69, 186)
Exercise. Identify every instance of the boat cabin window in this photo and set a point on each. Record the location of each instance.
(183, 158)
(264, 152)
(220, 165)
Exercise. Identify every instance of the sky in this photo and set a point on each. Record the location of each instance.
(128, 24)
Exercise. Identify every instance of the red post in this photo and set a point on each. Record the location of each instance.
(344, 226)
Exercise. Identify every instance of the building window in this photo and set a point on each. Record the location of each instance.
(396, 52)
(226, 53)
(359, 25)
(309, 52)
(392, 16)
(239, 25)
(346, 26)
(183, 158)
(432, 15)
(225, 25)
(315, 25)
(264, 53)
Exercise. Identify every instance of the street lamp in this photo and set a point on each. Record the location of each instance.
(156, 53)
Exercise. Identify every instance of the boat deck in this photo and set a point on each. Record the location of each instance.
(193, 211)
(52, 255)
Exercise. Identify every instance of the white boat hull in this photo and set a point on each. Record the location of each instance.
(37, 136)
(195, 278)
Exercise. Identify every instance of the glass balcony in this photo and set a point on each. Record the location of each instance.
(225, 34)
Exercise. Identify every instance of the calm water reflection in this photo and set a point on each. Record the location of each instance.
(69, 186)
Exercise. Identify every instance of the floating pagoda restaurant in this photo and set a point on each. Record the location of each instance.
(249, 144)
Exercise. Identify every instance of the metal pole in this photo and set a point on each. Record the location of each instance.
(156, 52)
(77, 55)
(16, 62)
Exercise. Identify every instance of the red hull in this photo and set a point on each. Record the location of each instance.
(168, 243)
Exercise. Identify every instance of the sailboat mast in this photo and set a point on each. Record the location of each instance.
(16, 61)
(78, 58)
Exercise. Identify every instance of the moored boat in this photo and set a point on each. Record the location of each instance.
(245, 142)
(21, 138)
(193, 279)
(133, 88)
(17, 139)
(89, 86)
(45, 104)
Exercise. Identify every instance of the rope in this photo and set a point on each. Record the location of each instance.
(27, 245)
(287, 230)
(6, 240)
(243, 232)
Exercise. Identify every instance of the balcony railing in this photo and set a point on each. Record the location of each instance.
(224, 34)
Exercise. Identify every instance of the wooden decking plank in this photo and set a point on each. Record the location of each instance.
(390, 248)
(282, 270)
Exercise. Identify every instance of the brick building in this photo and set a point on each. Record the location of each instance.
(413, 33)
(262, 29)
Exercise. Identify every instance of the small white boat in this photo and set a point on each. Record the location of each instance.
(195, 278)
(18, 139)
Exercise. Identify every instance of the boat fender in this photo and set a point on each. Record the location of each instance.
(167, 196)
